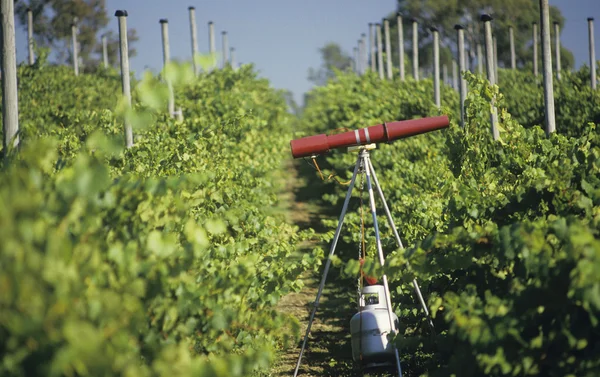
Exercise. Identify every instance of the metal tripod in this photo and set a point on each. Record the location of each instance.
(364, 163)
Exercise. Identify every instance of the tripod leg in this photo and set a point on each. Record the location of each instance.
(399, 242)
(328, 263)
(365, 156)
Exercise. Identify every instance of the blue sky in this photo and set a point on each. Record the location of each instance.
(282, 37)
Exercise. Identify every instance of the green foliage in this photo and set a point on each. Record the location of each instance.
(504, 235)
(166, 258)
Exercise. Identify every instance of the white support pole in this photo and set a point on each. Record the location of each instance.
(194, 39)
(436, 67)
(415, 49)
(557, 49)
(400, 46)
(372, 47)
(592, 47)
(124, 50)
(10, 102)
(225, 41)
(74, 46)
(513, 56)
(547, 66)
(166, 60)
(30, 36)
(379, 51)
(461, 62)
(388, 49)
(535, 49)
(489, 52)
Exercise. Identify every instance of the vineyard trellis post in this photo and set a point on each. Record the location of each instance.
(592, 52)
(211, 43)
(379, 51)
(372, 46)
(479, 59)
(74, 43)
(10, 102)
(355, 67)
(164, 23)
(124, 51)
(489, 53)
(557, 49)
(455, 75)
(495, 59)
(105, 50)
(388, 49)
(436, 66)
(30, 36)
(461, 62)
(547, 66)
(225, 47)
(400, 46)
(364, 59)
(194, 35)
(415, 48)
(232, 58)
(535, 49)
(513, 55)
(445, 74)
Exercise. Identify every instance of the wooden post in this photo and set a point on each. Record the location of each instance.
(166, 60)
(372, 46)
(364, 58)
(400, 46)
(105, 50)
(124, 50)
(547, 66)
(232, 58)
(592, 52)
(461, 62)
(379, 50)
(445, 74)
(415, 48)
(10, 102)
(495, 58)
(557, 48)
(489, 52)
(388, 49)
(30, 36)
(513, 56)
(194, 34)
(535, 49)
(455, 75)
(225, 41)
(479, 59)
(75, 49)
(436, 67)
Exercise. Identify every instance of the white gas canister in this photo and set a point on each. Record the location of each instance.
(370, 327)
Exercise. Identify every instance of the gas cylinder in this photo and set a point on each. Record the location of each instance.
(370, 327)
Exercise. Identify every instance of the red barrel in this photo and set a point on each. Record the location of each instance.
(319, 144)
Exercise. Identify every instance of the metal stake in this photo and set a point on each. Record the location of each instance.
(535, 49)
(166, 59)
(436, 67)
(557, 48)
(372, 47)
(513, 56)
(461, 62)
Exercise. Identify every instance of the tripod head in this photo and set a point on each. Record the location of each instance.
(386, 132)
